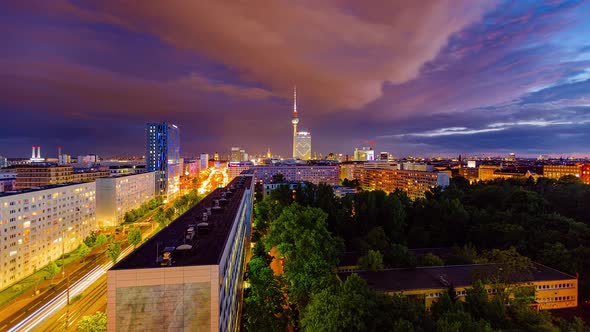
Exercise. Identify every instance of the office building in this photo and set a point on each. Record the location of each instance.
(87, 160)
(3, 162)
(163, 157)
(64, 159)
(39, 225)
(119, 194)
(557, 171)
(303, 145)
(234, 169)
(315, 174)
(551, 289)
(189, 276)
(364, 154)
(414, 183)
(85, 175)
(204, 161)
(235, 154)
(42, 175)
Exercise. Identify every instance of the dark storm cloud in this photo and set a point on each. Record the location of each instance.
(419, 77)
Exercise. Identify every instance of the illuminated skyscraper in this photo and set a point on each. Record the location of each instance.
(163, 157)
(295, 121)
(303, 145)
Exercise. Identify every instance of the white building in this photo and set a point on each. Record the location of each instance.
(38, 226)
(117, 195)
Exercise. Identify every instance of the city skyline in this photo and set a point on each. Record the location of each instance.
(437, 78)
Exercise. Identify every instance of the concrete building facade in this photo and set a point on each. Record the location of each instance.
(414, 183)
(188, 277)
(117, 195)
(38, 226)
(315, 174)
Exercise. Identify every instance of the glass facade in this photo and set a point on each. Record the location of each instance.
(163, 157)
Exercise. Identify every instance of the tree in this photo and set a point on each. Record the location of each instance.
(100, 240)
(431, 260)
(52, 269)
(113, 251)
(83, 250)
(134, 237)
(90, 240)
(310, 251)
(93, 323)
(347, 306)
(265, 301)
(278, 178)
(372, 261)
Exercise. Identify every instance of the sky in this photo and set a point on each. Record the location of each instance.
(419, 78)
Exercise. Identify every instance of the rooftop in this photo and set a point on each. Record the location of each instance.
(207, 248)
(393, 280)
(28, 190)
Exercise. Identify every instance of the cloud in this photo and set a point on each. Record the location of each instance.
(338, 53)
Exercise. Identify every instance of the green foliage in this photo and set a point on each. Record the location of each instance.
(100, 240)
(310, 251)
(113, 251)
(134, 237)
(372, 261)
(278, 178)
(93, 323)
(431, 260)
(265, 300)
(136, 214)
(90, 240)
(347, 306)
(51, 269)
(83, 250)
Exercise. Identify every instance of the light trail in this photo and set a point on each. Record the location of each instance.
(60, 300)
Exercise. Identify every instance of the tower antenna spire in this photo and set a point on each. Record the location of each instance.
(295, 99)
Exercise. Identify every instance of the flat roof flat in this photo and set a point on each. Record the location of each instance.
(33, 189)
(395, 280)
(207, 247)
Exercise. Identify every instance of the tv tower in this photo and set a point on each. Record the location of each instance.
(294, 121)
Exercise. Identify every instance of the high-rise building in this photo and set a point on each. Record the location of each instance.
(364, 154)
(216, 156)
(297, 173)
(3, 162)
(42, 224)
(204, 161)
(303, 145)
(234, 154)
(163, 157)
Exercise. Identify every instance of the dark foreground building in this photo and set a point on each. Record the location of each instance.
(189, 276)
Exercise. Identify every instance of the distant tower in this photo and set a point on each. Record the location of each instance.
(295, 121)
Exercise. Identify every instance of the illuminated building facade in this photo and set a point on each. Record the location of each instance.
(170, 283)
(117, 195)
(303, 145)
(163, 157)
(38, 226)
(550, 288)
(39, 176)
(414, 183)
(364, 154)
(315, 174)
(585, 173)
(557, 171)
(236, 168)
